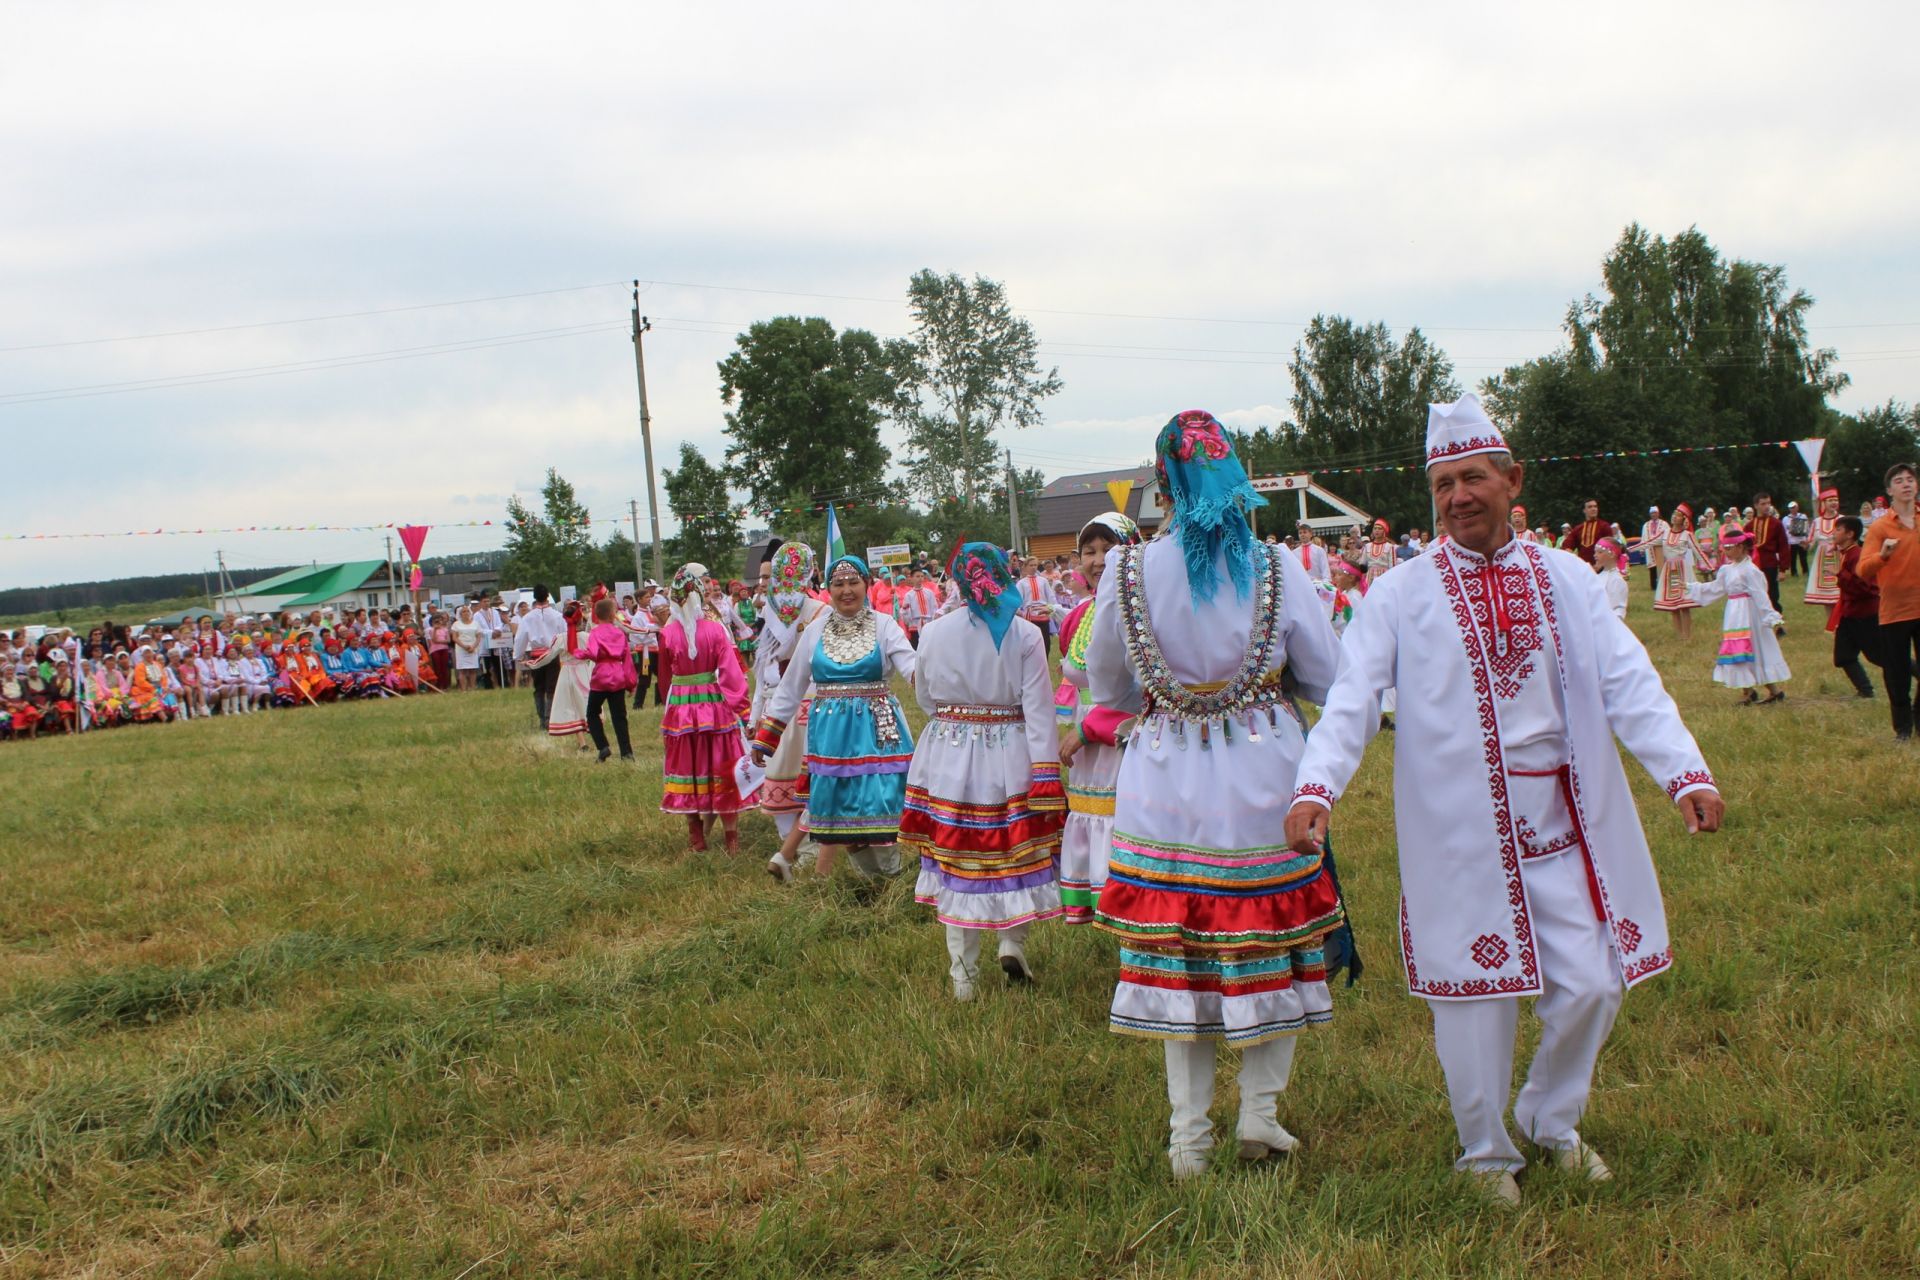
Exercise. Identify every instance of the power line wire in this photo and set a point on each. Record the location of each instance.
(342, 315)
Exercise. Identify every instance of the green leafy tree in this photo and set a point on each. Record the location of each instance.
(1360, 399)
(1685, 349)
(805, 407)
(709, 522)
(970, 368)
(554, 546)
(1860, 448)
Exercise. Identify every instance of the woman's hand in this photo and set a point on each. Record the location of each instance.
(1070, 743)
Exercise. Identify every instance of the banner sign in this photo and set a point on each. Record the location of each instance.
(893, 556)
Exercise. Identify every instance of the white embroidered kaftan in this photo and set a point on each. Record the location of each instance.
(1469, 639)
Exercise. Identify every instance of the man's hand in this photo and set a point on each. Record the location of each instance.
(1701, 810)
(760, 755)
(1307, 826)
(1070, 743)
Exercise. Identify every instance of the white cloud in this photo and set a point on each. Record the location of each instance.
(1461, 168)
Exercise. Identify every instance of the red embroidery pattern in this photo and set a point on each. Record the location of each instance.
(1460, 448)
(1489, 951)
(1647, 966)
(1532, 846)
(1692, 777)
(1313, 789)
(1522, 636)
(1629, 935)
(1528, 978)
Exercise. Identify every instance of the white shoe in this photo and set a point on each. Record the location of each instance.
(1014, 965)
(962, 990)
(780, 869)
(1261, 1141)
(1582, 1159)
(1187, 1164)
(1497, 1187)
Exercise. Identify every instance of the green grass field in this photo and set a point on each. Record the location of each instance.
(401, 989)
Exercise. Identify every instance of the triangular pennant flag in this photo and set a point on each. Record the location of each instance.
(1121, 491)
(413, 537)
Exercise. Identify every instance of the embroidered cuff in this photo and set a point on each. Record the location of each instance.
(1314, 793)
(1689, 782)
(767, 736)
(1044, 792)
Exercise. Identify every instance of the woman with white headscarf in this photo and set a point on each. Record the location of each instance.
(701, 725)
(790, 611)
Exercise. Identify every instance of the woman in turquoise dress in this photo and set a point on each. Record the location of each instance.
(858, 743)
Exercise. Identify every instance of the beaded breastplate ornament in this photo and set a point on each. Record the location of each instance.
(1252, 690)
(847, 640)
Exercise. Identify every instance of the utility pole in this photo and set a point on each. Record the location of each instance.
(1013, 507)
(640, 326)
(221, 558)
(392, 586)
(633, 514)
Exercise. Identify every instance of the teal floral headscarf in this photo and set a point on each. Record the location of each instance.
(1211, 496)
(985, 582)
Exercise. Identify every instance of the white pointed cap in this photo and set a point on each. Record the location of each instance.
(1460, 430)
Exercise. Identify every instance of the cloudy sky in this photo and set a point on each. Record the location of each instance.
(1167, 192)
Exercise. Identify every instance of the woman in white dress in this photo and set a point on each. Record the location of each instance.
(984, 804)
(1087, 749)
(1682, 560)
(567, 715)
(1749, 630)
(466, 635)
(1220, 924)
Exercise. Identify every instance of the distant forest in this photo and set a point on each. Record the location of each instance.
(114, 592)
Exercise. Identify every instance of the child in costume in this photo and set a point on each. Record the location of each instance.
(1749, 630)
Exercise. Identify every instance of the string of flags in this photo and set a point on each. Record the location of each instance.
(400, 526)
(1571, 457)
(818, 508)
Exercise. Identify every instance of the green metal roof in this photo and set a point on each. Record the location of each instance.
(279, 582)
(326, 583)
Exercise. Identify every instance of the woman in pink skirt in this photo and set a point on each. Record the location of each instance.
(707, 698)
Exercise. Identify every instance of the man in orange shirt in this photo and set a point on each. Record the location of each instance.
(1890, 560)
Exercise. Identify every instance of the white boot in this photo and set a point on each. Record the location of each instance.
(963, 952)
(1190, 1091)
(1264, 1072)
(780, 869)
(1013, 955)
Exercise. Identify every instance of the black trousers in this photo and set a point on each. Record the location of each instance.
(1898, 641)
(1800, 558)
(648, 662)
(1854, 639)
(615, 701)
(544, 680)
(1773, 587)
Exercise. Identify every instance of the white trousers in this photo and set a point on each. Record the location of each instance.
(873, 861)
(1581, 995)
(963, 949)
(783, 823)
(1264, 1072)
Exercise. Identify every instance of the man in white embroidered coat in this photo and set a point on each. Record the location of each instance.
(1537, 881)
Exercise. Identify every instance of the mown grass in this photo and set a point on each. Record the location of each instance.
(403, 990)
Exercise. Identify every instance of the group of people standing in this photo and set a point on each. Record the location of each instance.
(1191, 821)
